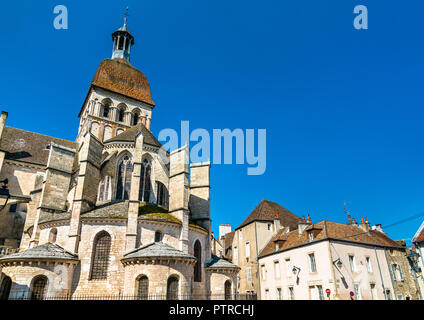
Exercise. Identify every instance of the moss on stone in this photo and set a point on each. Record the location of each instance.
(159, 216)
(146, 208)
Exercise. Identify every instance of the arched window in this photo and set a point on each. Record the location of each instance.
(143, 288)
(106, 111)
(198, 265)
(5, 287)
(227, 286)
(39, 288)
(145, 182)
(104, 189)
(172, 288)
(162, 194)
(53, 235)
(158, 236)
(100, 256)
(121, 114)
(124, 179)
(136, 118)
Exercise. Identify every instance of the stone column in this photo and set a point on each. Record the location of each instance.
(179, 192)
(200, 198)
(90, 156)
(131, 235)
(56, 184)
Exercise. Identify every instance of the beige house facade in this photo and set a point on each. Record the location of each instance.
(332, 261)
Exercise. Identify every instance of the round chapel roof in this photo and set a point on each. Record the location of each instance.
(119, 76)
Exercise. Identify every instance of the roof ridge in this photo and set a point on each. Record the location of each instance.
(40, 134)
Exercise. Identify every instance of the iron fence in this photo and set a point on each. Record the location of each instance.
(26, 295)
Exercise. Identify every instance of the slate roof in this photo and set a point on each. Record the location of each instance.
(266, 210)
(30, 147)
(216, 262)
(47, 251)
(130, 135)
(157, 250)
(328, 230)
(419, 236)
(118, 75)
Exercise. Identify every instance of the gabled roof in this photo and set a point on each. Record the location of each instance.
(157, 250)
(419, 235)
(47, 251)
(328, 230)
(131, 134)
(266, 211)
(30, 147)
(220, 263)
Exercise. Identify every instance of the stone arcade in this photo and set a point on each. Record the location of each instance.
(111, 214)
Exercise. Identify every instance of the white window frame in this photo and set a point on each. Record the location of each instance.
(277, 271)
(249, 274)
(352, 263)
(247, 245)
(312, 262)
(369, 265)
(357, 289)
(235, 255)
(263, 272)
(373, 291)
(279, 294)
(289, 267)
(290, 290)
(394, 271)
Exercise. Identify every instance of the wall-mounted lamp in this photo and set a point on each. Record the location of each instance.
(338, 263)
(4, 194)
(296, 272)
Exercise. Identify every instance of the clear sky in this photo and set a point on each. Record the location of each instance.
(342, 107)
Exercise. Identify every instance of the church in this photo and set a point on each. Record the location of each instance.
(111, 214)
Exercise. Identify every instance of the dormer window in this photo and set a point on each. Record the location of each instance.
(311, 236)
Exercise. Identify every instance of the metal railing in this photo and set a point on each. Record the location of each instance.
(26, 295)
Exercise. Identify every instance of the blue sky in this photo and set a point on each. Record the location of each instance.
(342, 107)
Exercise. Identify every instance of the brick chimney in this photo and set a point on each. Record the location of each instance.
(277, 223)
(302, 225)
(364, 225)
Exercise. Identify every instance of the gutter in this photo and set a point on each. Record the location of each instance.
(381, 276)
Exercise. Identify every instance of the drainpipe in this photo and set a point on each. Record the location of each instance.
(391, 276)
(336, 294)
(381, 276)
(257, 264)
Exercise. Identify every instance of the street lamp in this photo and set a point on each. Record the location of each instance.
(338, 262)
(4, 194)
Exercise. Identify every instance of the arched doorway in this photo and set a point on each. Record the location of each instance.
(172, 288)
(39, 288)
(5, 287)
(228, 295)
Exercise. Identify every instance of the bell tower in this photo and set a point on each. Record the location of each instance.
(122, 41)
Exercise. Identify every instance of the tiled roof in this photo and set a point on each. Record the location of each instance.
(266, 211)
(419, 236)
(120, 76)
(216, 262)
(157, 250)
(131, 134)
(113, 209)
(30, 147)
(229, 239)
(325, 230)
(49, 251)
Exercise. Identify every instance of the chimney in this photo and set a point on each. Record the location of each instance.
(223, 230)
(277, 224)
(350, 219)
(364, 226)
(309, 219)
(354, 222)
(302, 225)
(3, 119)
